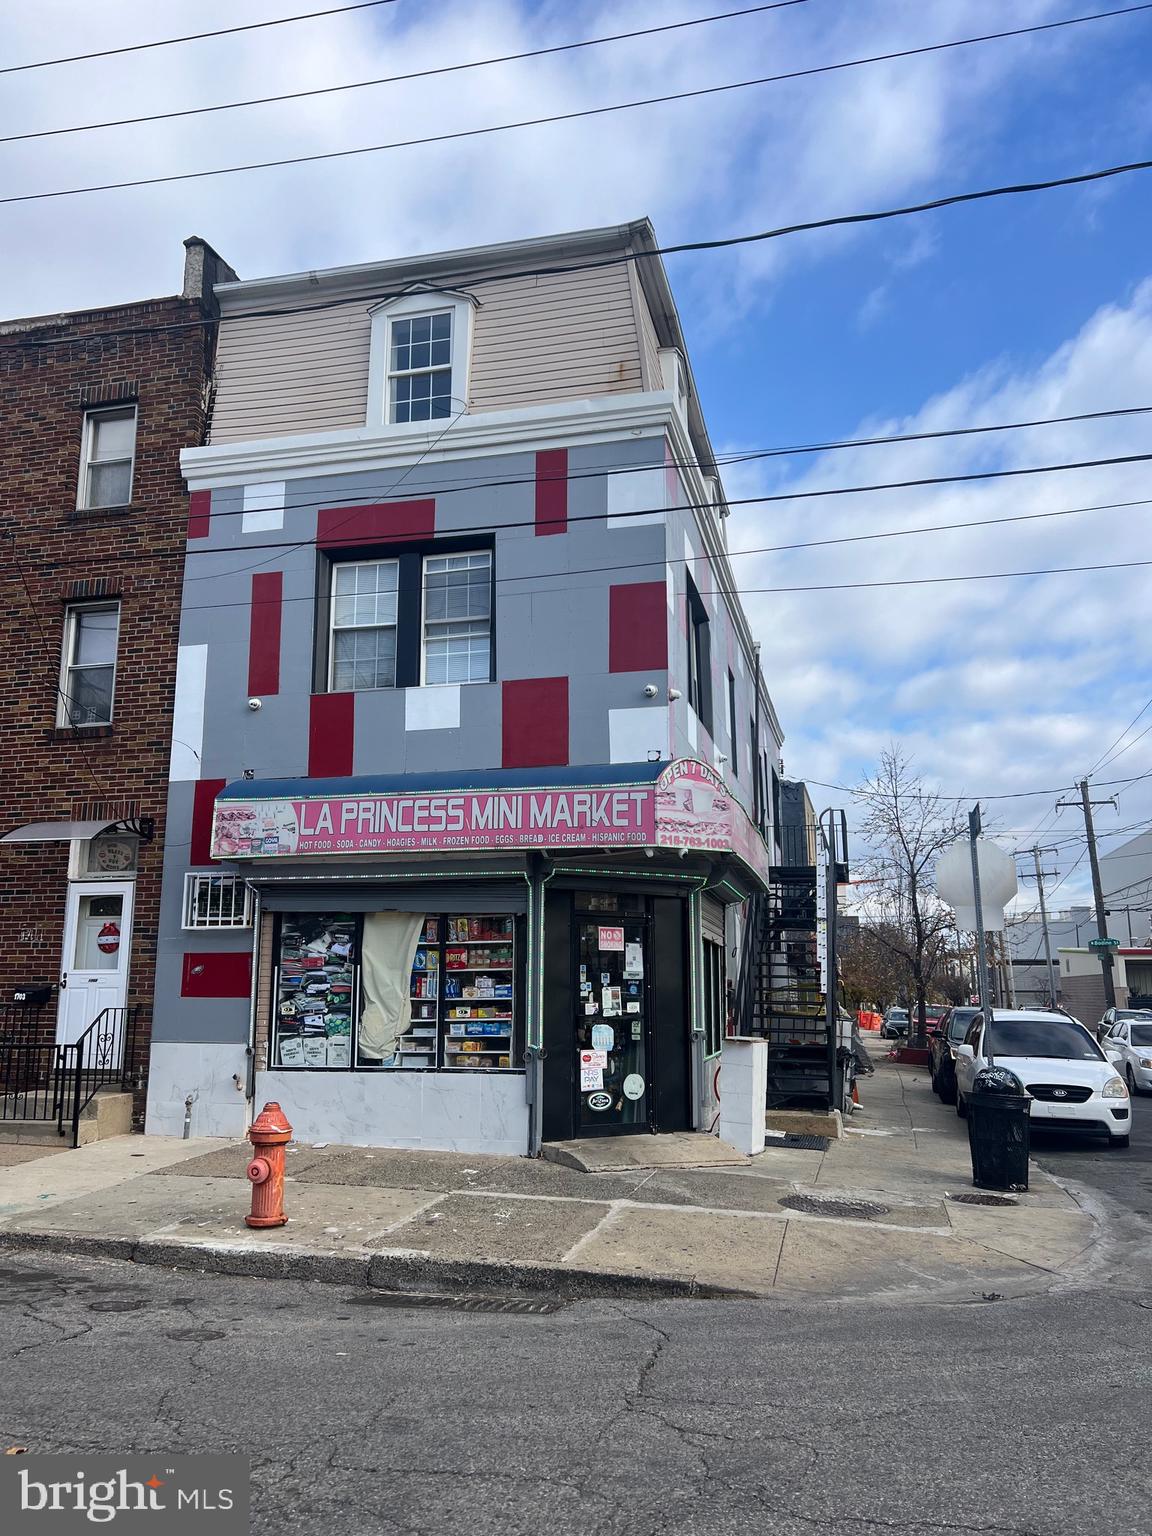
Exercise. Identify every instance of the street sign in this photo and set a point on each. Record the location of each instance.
(955, 886)
(1103, 943)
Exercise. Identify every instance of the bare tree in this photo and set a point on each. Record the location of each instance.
(871, 972)
(906, 826)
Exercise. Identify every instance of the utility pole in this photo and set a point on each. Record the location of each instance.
(1006, 953)
(987, 993)
(1039, 877)
(1086, 804)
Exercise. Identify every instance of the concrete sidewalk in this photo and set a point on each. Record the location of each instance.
(874, 1214)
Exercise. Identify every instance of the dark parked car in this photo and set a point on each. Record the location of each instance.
(943, 1037)
(895, 1024)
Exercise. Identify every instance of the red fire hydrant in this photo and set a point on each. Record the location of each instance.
(269, 1135)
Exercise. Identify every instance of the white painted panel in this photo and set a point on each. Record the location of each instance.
(432, 709)
(634, 733)
(641, 491)
(188, 712)
(208, 1073)
(690, 726)
(263, 507)
(445, 1111)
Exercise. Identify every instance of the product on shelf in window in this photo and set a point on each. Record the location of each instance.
(313, 1014)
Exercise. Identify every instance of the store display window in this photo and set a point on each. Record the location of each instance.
(389, 990)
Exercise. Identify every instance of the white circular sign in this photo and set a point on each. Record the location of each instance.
(633, 1086)
(599, 1101)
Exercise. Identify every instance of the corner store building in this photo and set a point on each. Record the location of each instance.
(521, 601)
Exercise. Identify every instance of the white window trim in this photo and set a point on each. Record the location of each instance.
(447, 555)
(192, 881)
(63, 701)
(334, 628)
(422, 302)
(83, 504)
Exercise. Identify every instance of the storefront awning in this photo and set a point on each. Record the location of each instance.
(682, 805)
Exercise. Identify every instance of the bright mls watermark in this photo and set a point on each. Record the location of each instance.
(157, 1494)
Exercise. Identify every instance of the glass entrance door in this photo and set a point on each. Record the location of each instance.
(613, 1047)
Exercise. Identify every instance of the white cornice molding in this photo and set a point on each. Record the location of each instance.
(354, 450)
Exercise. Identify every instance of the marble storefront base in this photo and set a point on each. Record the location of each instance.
(441, 1111)
(209, 1073)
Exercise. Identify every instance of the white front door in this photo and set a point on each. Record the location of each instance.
(97, 943)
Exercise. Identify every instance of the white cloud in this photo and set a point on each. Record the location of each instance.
(738, 160)
(993, 686)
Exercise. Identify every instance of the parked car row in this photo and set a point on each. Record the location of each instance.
(899, 1023)
(1074, 1082)
(1130, 1036)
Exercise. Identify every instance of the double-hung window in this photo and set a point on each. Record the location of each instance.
(365, 595)
(458, 618)
(421, 617)
(699, 657)
(108, 454)
(420, 367)
(419, 357)
(88, 671)
(734, 750)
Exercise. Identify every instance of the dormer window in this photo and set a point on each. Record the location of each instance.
(420, 368)
(419, 359)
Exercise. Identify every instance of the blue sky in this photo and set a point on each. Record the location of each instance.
(1024, 307)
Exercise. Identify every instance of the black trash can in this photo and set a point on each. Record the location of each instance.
(998, 1130)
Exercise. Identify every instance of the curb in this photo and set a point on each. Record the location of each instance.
(391, 1271)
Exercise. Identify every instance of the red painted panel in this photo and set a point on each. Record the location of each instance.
(216, 973)
(552, 491)
(331, 730)
(203, 800)
(638, 627)
(383, 522)
(534, 723)
(264, 633)
(199, 514)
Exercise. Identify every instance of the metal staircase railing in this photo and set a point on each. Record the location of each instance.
(43, 1081)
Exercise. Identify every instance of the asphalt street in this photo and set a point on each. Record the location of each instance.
(1123, 1174)
(601, 1418)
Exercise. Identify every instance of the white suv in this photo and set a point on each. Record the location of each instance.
(1073, 1082)
(1131, 1038)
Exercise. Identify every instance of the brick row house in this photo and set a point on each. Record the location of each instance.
(472, 762)
(97, 406)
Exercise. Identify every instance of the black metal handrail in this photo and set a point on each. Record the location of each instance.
(41, 1080)
(30, 1066)
(747, 976)
(103, 1054)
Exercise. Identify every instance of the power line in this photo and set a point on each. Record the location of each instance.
(447, 69)
(935, 204)
(191, 37)
(1017, 794)
(1115, 755)
(462, 278)
(534, 53)
(289, 545)
(928, 581)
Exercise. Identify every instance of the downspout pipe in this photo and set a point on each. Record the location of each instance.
(537, 879)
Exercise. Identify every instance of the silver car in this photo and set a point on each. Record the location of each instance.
(1131, 1037)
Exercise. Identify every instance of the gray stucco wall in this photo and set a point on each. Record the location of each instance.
(553, 597)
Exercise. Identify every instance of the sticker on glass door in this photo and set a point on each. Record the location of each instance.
(612, 1065)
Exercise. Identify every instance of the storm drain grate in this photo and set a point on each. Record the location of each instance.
(802, 1143)
(818, 1205)
(970, 1197)
(522, 1305)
